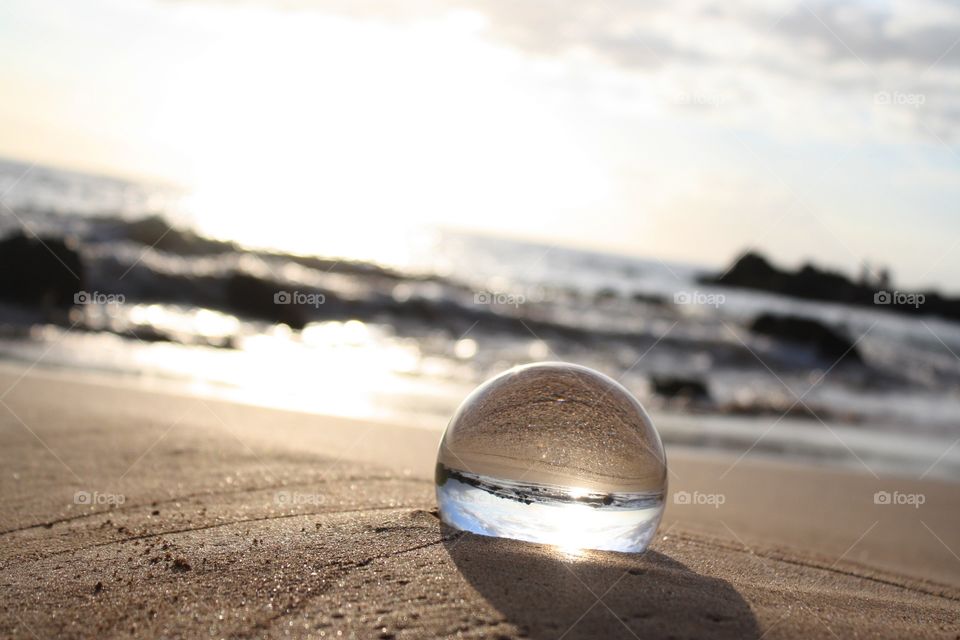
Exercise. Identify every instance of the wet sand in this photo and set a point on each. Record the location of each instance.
(209, 519)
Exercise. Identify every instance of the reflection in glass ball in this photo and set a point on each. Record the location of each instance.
(553, 453)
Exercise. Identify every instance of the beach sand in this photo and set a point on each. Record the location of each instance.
(241, 522)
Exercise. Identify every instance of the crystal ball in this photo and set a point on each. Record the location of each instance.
(553, 453)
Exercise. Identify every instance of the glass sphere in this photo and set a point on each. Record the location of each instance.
(553, 453)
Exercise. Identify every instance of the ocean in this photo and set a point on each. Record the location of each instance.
(403, 335)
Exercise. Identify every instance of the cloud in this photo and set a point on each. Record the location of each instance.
(876, 37)
(822, 66)
(813, 55)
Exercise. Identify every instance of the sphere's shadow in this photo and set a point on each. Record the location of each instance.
(549, 594)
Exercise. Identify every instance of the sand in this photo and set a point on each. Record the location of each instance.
(242, 522)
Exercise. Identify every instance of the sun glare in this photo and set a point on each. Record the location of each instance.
(331, 128)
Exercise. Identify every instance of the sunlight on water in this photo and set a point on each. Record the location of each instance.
(339, 165)
(299, 223)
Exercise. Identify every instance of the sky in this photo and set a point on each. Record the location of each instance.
(810, 130)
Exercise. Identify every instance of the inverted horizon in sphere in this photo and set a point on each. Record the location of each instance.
(553, 453)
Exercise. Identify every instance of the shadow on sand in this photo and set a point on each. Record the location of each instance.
(549, 594)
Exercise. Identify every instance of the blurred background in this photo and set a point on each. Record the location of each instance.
(745, 212)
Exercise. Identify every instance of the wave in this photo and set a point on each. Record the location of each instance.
(706, 360)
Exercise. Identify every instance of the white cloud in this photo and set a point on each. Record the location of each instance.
(808, 67)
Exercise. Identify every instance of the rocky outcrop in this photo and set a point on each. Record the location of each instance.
(753, 271)
(41, 272)
(824, 341)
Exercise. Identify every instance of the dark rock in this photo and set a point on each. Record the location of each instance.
(825, 341)
(154, 231)
(677, 387)
(264, 299)
(43, 272)
(752, 271)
